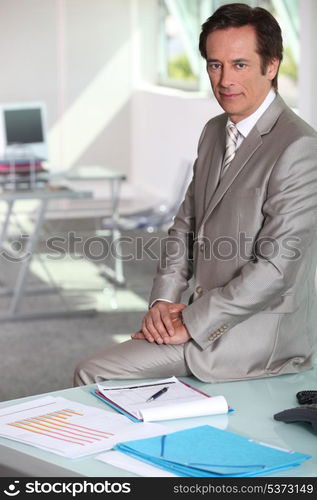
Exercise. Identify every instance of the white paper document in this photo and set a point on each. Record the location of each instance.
(179, 401)
(69, 428)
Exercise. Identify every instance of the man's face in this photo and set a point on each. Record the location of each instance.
(234, 69)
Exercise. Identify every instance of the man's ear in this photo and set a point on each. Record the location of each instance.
(272, 68)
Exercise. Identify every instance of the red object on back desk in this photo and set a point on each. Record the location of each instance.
(21, 168)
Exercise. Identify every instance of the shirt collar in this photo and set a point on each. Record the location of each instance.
(246, 125)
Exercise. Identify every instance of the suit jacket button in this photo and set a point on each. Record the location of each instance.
(199, 290)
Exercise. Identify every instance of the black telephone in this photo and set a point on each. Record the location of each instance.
(307, 412)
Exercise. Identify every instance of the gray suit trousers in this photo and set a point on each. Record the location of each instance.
(133, 359)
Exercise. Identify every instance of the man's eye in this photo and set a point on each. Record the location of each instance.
(214, 66)
(240, 65)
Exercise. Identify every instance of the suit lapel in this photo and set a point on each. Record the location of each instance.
(215, 163)
(243, 155)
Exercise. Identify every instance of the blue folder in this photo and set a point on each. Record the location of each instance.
(206, 451)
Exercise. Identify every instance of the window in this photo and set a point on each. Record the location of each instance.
(180, 63)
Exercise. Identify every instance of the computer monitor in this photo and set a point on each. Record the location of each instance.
(23, 130)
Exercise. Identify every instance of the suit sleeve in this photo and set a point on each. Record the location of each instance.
(290, 212)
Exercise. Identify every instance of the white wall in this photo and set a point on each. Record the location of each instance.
(166, 123)
(165, 132)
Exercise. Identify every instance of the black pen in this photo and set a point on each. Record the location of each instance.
(157, 394)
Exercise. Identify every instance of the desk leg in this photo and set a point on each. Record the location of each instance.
(116, 275)
(30, 247)
(6, 222)
(115, 195)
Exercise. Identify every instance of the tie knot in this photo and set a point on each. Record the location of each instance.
(232, 133)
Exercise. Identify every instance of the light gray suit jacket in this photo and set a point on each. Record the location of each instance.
(248, 242)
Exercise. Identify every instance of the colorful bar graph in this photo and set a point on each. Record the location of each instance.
(58, 425)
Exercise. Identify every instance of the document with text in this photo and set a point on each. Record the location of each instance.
(161, 400)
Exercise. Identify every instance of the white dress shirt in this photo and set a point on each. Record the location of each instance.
(246, 125)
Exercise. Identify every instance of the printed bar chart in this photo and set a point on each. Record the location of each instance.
(69, 428)
(58, 425)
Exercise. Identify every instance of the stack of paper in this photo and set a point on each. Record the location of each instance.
(205, 451)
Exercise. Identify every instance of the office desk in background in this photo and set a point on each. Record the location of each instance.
(43, 195)
(255, 402)
(99, 173)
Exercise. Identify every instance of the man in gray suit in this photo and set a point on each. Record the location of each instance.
(245, 233)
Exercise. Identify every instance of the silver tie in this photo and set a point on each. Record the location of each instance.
(231, 143)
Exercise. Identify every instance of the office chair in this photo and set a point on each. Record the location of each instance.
(158, 217)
